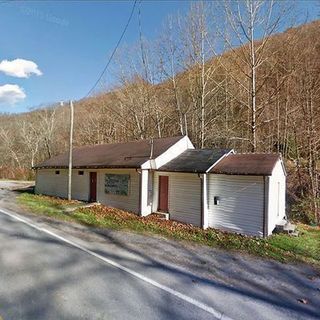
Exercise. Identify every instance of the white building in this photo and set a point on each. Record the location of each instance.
(243, 193)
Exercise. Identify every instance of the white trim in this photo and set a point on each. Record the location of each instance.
(205, 222)
(225, 155)
(283, 166)
(145, 208)
(172, 152)
(117, 265)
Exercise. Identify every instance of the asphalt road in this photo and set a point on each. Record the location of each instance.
(45, 278)
(61, 271)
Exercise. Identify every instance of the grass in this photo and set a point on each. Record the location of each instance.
(281, 247)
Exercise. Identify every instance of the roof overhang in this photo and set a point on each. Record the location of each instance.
(87, 167)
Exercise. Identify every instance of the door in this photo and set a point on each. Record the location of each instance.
(163, 193)
(93, 187)
(236, 203)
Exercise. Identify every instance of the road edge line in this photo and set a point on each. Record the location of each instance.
(115, 264)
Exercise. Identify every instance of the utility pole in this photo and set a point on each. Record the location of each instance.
(151, 148)
(70, 151)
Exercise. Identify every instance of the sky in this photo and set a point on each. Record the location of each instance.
(53, 51)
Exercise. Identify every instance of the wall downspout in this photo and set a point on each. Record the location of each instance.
(201, 202)
(140, 185)
(266, 207)
(204, 201)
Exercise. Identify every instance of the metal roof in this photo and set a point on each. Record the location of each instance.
(115, 155)
(259, 164)
(194, 160)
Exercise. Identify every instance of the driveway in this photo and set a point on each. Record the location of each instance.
(13, 184)
(58, 270)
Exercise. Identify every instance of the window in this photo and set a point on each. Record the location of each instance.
(57, 172)
(117, 184)
(80, 173)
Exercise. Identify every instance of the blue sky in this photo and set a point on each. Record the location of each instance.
(70, 41)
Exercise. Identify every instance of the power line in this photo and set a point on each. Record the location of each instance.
(114, 51)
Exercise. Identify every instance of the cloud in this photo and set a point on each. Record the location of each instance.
(11, 94)
(19, 68)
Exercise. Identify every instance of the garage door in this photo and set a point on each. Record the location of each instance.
(236, 203)
(185, 198)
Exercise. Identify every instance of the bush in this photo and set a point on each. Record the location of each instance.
(302, 211)
(16, 173)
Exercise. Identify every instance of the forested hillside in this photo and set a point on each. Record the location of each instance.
(257, 96)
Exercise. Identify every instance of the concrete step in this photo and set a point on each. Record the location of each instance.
(163, 215)
(285, 226)
(289, 227)
(282, 223)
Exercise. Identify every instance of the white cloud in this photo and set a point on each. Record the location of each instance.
(11, 94)
(19, 68)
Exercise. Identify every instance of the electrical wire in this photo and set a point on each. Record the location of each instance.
(113, 52)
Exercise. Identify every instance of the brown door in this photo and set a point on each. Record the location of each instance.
(93, 187)
(163, 193)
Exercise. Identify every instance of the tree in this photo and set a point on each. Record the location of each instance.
(48, 126)
(246, 22)
(30, 136)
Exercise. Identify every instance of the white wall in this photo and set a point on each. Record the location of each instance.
(184, 196)
(128, 203)
(48, 183)
(241, 207)
(276, 196)
(51, 184)
(179, 147)
(80, 185)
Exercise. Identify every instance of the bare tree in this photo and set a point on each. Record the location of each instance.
(48, 126)
(248, 21)
(10, 146)
(198, 43)
(30, 136)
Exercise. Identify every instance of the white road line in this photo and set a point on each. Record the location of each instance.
(156, 284)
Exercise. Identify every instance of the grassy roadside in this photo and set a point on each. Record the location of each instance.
(305, 248)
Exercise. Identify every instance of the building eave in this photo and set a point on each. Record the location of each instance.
(88, 167)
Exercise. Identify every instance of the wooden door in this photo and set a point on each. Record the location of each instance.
(93, 187)
(163, 193)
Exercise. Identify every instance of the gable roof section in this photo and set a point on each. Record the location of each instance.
(115, 155)
(194, 160)
(247, 164)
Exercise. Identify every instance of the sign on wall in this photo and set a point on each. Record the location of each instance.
(117, 184)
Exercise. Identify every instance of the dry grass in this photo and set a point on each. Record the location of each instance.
(284, 248)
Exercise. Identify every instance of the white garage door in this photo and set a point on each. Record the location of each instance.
(185, 198)
(236, 203)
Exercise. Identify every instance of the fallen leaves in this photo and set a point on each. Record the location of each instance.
(155, 222)
(279, 247)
